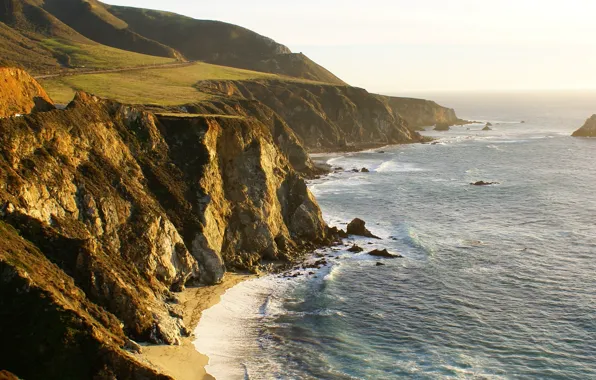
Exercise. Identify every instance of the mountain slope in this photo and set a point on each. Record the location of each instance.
(27, 25)
(92, 20)
(221, 43)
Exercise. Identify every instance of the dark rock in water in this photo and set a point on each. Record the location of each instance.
(384, 253)
(381, 151)
(337, 169)
(336, 232)
(482, 183)
(355, 170)
(364, 170)
(442, 127)
(487, 128)
(357, 227)
(523, 122)
(489, 124)
(588, 130)
(356, 249)
(380, 264)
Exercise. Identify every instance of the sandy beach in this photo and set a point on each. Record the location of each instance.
(184, 362)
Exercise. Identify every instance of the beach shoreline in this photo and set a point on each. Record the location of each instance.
(184, 362)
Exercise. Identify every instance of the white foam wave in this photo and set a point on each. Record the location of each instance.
(397, 167)
(228, 330)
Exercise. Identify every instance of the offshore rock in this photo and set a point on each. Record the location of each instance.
(384, 253)
(588, 129)
(357, 227)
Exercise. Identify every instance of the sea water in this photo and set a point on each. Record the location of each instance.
(496, 281)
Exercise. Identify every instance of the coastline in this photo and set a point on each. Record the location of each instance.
(184, 362)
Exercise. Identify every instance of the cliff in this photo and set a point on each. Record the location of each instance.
(106, 210)
(588, 129)
(420, 113)
(21, 94)
(323, 117)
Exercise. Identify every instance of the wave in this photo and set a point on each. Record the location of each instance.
(398, 167)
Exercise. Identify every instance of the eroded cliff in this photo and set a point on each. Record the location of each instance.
(420, 113)
(324, 117)
(588, 129)
(121, 207)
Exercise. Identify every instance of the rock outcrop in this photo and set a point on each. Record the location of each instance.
(324, 117)
(588, 129)
(358, 227)
(442, 127)
(420, 113)
(21, 94)
(106, 209)
(384, 253)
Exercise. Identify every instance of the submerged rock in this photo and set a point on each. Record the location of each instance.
(380, 264)
(384, 253)
(482, 183)
(358, 227)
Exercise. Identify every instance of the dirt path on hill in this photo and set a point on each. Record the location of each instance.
(134, 68)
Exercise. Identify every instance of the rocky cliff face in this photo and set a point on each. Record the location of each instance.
(107, 209)
(420, 113)
(20, 93)
(588, 129)
(323, 117)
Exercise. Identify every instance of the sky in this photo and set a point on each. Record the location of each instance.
(397, 46)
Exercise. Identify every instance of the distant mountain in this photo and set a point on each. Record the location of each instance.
(51, 35)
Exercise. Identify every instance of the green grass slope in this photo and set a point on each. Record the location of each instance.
(161, 86)
(92, 20)
(32, 38)
(221, 43)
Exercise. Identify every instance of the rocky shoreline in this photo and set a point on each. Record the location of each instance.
(109, 211)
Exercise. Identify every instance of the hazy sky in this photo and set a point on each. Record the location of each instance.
(425, 45)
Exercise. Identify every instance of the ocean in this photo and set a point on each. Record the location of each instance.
(496, 282)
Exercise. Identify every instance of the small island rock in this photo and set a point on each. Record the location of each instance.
(442, 127)
(356, 249)
(384, 253)
(357, 227)
(588, 130)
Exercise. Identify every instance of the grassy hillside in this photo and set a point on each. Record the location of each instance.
(45, 36)
(77, 55)
(221, 43)
(32, 38)
(91, 19)
(167, 86)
